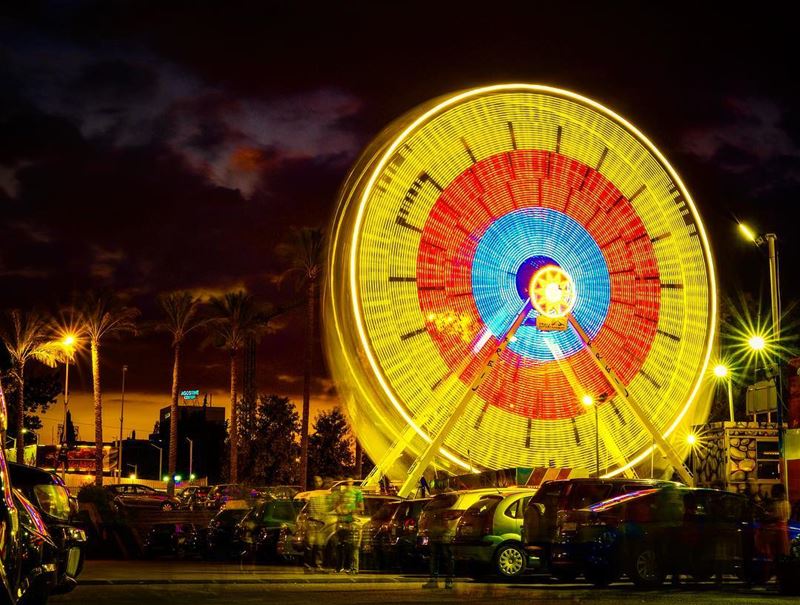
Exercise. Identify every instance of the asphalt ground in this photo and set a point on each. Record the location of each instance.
(200, 583)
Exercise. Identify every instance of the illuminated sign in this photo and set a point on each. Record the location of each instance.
(551, 324)
(188, 395)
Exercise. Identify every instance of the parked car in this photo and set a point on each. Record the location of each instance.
(193, 497)
(30, 555)
(258, 532)
(48, 493)
(449, 507)
(657, 532)
(401, 548)
(179, 540)
(219, 495)
(488, 534)
(376, 536)
(133, 495)
(220, 538)
(553, 498)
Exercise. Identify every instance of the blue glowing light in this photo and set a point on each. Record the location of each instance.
(520, 241)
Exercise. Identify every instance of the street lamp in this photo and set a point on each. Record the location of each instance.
(692, 440)
(722, 372)
(160, 457)
(758, 343)
(588, 401)
(35, 436)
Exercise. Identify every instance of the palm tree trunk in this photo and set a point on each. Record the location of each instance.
(234, 436)
(98, 416)
(20, 420)
(359, 459)
(309, 365)
(173, 420)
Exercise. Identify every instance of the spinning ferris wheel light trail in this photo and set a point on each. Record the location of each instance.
(496, 255)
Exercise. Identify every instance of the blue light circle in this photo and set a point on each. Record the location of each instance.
(507, 247)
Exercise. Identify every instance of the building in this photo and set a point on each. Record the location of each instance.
(201, 440)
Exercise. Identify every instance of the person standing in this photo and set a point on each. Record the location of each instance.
(348, 530)
(440, 539)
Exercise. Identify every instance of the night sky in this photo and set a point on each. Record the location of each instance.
(150, 147)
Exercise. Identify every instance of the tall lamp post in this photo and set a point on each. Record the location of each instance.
(121, 419)
(589, 401)
(68, 343)
(722, 372)
(775, 299)
(191, 454)
(691, 439)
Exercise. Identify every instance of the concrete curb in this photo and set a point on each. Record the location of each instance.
(310, 580)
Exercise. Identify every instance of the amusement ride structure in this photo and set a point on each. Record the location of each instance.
(517, 278)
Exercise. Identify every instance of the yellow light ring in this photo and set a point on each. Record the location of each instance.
(345, 244)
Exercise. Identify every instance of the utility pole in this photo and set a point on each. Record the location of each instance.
(121, 419)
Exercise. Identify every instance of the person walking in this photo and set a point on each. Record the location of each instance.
(318, 509)
(350, 502)
(779, 512)
(440, 539)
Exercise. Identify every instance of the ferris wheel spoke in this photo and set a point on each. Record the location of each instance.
(569, 373)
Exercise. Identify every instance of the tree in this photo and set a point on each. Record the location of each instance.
(181, 317)
(274, 446)
(26, 336)
(305, 252)
(329, 448)
(41, 391)
(102, 317)
(237, 317)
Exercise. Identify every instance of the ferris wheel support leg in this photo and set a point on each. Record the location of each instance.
(416, 470)
(623, 394)
(397, 448)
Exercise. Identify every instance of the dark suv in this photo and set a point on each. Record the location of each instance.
(554, 498)
(47, 492)
(657, 532)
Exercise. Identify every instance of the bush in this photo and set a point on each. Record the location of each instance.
(101, 498)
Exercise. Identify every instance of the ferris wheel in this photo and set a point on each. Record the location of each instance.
(502, 260)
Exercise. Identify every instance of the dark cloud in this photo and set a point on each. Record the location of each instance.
(149, 147)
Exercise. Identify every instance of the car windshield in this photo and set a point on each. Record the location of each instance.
(282, 511)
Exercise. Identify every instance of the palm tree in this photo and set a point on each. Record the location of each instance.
(100, 317)
(306, 252)
(180, 309)
(236, 319)
(27, 336)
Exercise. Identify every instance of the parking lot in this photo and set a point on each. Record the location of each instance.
(155, 582)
